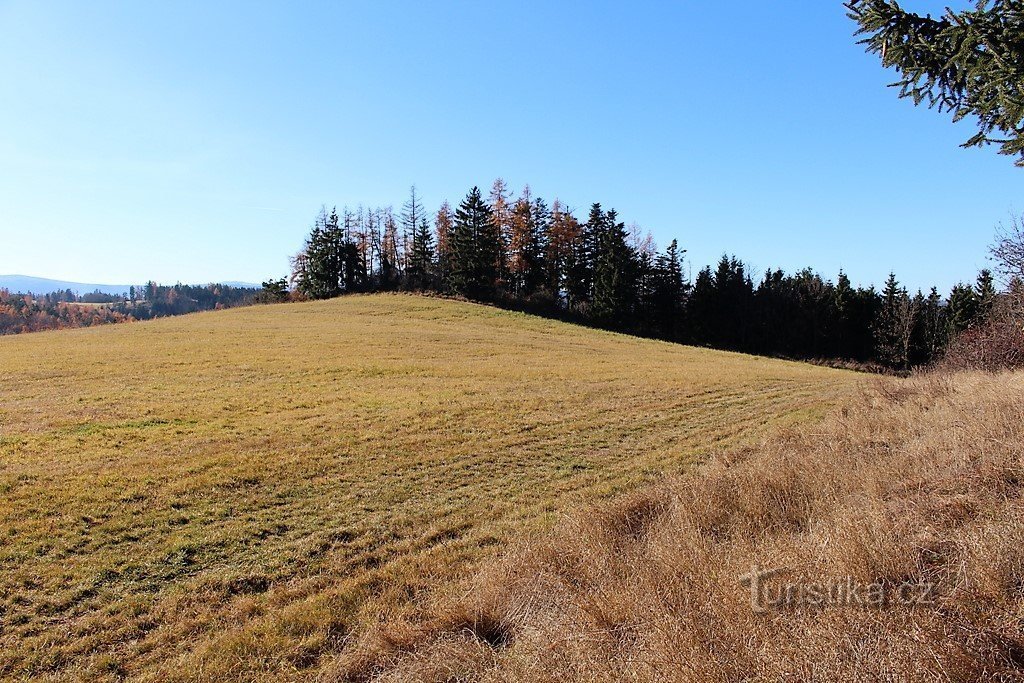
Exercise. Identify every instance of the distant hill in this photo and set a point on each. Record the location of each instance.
(25, 284)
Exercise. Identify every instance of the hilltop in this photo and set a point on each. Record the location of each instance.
(242, 493)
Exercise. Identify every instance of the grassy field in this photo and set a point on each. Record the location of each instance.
(913, 492)
(237, 495)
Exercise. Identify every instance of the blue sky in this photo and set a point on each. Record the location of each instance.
(195, 141)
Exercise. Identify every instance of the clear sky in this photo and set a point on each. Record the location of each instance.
(195, 141)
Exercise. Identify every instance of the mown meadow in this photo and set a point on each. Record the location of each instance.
(240, 494)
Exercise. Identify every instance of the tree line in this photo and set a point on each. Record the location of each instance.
(65, 309)
(520, 252)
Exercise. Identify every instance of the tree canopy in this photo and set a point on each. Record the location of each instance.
(521, 254)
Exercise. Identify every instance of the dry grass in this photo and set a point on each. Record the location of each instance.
(240, 495)
(918, 482)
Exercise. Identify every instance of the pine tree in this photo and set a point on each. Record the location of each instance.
(274, 291)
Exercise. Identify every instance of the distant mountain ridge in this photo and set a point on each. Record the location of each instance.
(24, 284)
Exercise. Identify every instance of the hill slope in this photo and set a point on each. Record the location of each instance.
(238, 493)
(888, 541)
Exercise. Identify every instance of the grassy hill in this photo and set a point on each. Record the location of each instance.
(238, 494)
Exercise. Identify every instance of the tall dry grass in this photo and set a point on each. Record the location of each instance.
(917, 482)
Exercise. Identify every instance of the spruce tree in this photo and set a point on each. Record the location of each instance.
(582, 262)
(730, 319)
(917, 352)
(603, 273)
(844, 345)
(474, 249)
(929, 328)
(700, 309)
(536, 248)
(489, 250)
(421, 259)
(614, 271)
(321, 263)
(894, 326)
(411, 216)
(667, 291)
(961, 310)
(334, 236)
(374, 223)
(968, 63)
(985, 289)
(528, 229)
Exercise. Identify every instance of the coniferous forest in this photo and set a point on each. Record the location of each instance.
(525, 254)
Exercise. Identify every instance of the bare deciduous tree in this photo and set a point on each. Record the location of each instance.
(1008, 251)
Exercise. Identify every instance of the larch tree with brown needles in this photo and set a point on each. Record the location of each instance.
(501, 214)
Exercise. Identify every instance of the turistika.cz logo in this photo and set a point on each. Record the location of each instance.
(767, 595)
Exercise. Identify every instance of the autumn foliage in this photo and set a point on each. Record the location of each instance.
(26, 313)
(63, 310)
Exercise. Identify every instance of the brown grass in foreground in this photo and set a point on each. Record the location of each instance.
(916, 482)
